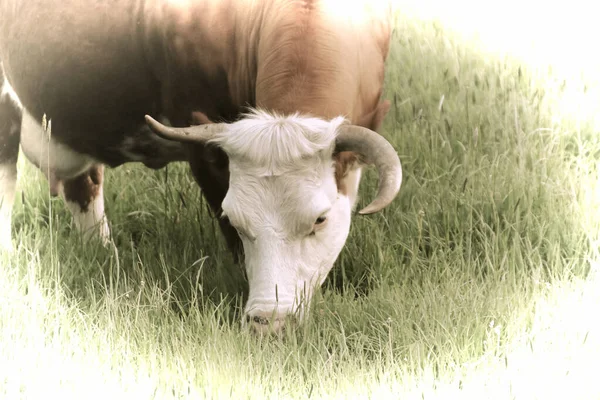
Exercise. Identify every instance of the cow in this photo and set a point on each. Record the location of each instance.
(275, 105)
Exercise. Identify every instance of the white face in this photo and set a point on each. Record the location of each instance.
(293, 228)
(283, 201)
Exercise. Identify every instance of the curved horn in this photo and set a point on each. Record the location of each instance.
(192, 134)
(377, 150)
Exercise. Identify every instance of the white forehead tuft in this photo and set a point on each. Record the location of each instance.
(277, 143)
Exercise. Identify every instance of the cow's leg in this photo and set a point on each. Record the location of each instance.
(77, 177)
(84, 197)
(10, 131)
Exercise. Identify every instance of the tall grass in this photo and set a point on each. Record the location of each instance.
(480, 281)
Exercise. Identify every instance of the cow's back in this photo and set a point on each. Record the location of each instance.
(79, 62)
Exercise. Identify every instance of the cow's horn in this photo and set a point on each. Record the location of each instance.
(192, 134)
(377, 150)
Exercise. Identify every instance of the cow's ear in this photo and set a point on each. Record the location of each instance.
(348, 163)
(347, 173)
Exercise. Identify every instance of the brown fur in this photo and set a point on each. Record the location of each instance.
(102, 65)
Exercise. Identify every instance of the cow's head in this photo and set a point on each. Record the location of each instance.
(283, 199)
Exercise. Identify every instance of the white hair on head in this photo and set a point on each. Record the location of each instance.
(276, 143)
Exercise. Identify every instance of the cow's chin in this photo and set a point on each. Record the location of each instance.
(283, 274)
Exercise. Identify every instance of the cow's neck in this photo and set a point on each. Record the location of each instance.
(302, 64)
(324, 57)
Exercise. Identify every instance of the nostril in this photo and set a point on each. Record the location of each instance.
(260, 320)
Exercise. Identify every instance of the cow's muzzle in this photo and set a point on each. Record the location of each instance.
(263, 323)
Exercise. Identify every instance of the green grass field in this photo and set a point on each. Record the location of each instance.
(480, 281)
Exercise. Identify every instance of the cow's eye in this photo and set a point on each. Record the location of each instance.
(318, 223)
(320, 220)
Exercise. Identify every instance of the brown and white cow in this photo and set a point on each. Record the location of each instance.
(293, 86)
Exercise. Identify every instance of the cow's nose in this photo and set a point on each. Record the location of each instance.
(267, 323)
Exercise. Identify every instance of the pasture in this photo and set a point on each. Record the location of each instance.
(479, 281)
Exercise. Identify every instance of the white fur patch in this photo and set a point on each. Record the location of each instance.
(273, 144)
(93, 222)
(8, 181)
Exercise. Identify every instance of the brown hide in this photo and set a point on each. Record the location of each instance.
(80, 63)
(97, 67)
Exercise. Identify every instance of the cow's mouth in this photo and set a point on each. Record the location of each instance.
(258, 320)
